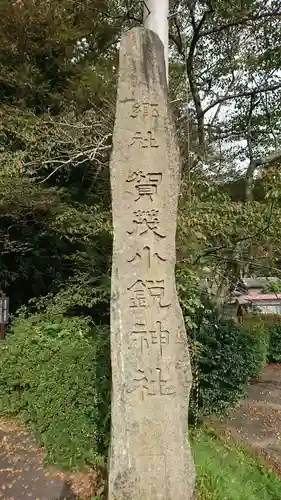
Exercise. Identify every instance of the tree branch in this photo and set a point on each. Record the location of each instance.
(275, 156)
(253, 165)
(177, 40)
(247, 93)
(239, 22)
(249, 138)
(214, 250)
(191, 75)
(225, 95)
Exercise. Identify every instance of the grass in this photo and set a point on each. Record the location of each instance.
(226, 471)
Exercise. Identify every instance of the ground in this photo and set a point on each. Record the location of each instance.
(23, 475)
(256, 421)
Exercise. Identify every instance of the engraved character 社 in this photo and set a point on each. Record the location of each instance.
(145, 185)
(153, 382)
(145, 140)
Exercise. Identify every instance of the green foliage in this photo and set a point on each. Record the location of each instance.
(188, 286)
(270, 327)
(54, 211)
(226, 357)
(273, 287)
(274, 354)
(261, 339)
(55, 377)
(220, 234)
(255, 326)
(46, 49)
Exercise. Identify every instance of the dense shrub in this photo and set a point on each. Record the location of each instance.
(270, 325)
(190, 296)
(226, 356)
(274, 353)
(55, 377)
(261, 338)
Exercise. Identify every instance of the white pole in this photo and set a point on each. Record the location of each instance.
(155, 18)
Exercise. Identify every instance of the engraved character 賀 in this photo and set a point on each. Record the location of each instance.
(145, 185)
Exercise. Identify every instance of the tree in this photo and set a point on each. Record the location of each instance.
(58, 82)
(231, 54)
(54, 148)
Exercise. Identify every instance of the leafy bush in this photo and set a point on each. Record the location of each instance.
(274, 353)
(55, 377)
(261, 336)
(270, 325)
(226, 356)
(190, 295)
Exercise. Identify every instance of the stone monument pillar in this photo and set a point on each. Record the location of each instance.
(150, 457)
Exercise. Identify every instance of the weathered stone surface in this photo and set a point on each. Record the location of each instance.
(150, 457)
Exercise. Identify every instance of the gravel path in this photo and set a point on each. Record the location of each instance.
(256, 420)
(22, 475)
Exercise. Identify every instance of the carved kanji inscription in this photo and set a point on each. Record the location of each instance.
(143, 290)
(147, 339)
(153, 382)
(144, 185)
(145, 221)
(147, 256)
(144, 109)
(144, 140)
(151, 373)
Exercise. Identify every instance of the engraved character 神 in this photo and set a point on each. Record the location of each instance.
(150, 339)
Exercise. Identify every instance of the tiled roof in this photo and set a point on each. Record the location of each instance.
(262, 297)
